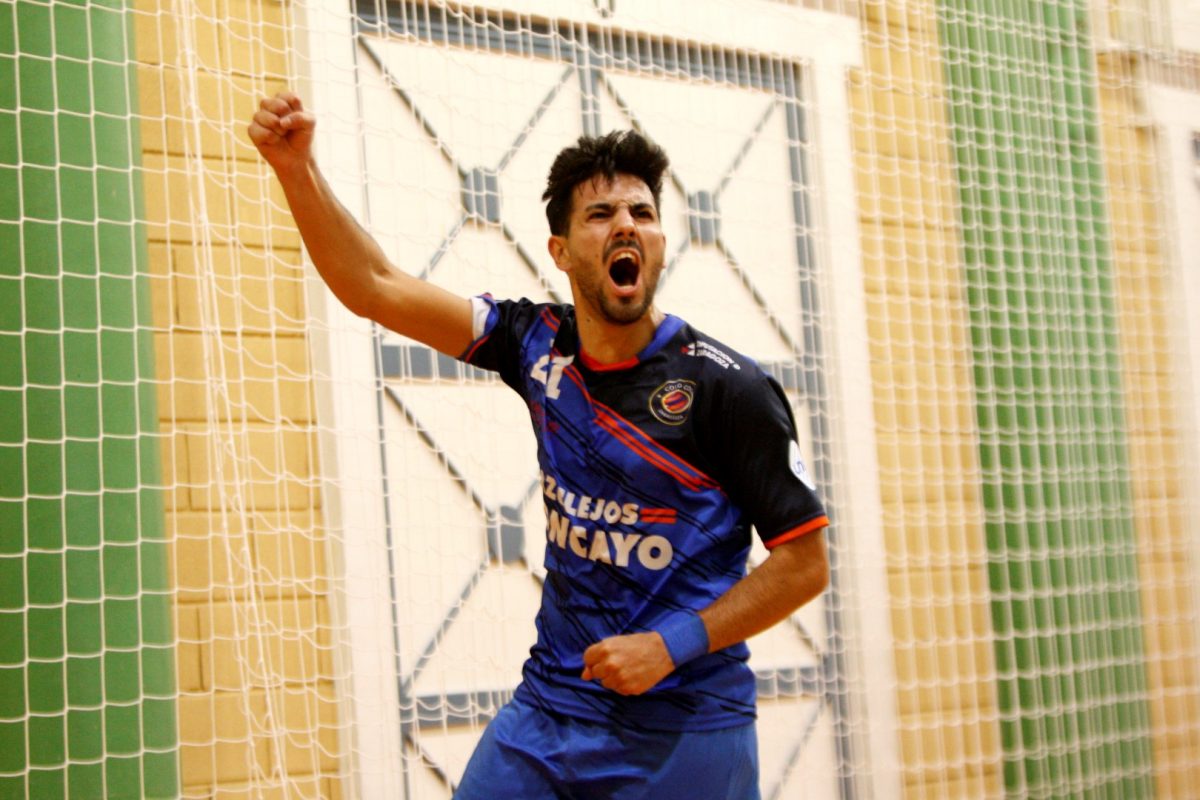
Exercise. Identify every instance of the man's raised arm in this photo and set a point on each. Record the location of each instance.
(350, 262)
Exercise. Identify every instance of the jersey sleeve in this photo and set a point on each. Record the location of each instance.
(499, 329)
(762, 470)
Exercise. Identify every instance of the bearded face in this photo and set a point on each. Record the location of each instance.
(613, 248)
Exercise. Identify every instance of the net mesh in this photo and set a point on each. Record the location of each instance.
(254, 546)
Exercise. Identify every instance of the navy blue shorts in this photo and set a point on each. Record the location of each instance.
(533, 755)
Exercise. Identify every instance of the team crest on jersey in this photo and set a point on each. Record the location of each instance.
(671, 402)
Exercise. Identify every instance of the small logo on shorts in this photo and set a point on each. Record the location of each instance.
(671, 402)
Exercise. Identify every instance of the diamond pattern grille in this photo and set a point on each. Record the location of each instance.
(463, 503)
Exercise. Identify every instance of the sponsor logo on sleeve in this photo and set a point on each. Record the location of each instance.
(797, 465)
(706, 350)
(671, 402)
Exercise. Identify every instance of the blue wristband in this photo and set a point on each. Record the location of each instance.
(685, 636)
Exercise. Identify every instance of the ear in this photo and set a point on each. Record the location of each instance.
(557, 245)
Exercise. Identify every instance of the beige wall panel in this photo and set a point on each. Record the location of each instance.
(938, 785)
(1166, 528)
(925, 414)
(234, 400)
(290, 553)
(162, 292)
(1169, 648)
(909, 63)
(920, 18)
(945, 533)
(951, 756)
(904, 191)
(189, 669)
(265, 379)
(943, 605)
(926, 467)
(310, 721)
(175, 474)
(922, 396)
(264, 466)
(257, 200)
(211, 556)
(1146, 301)
(263, 644)
(159, 37)
(1166, 566)
(951, 696)
(249, 289)
(308, 787)
(255, 38)
(1178, 781)
(1129, 161)
(909, 259)
(175, 198)
(905, 124)
(242, 749)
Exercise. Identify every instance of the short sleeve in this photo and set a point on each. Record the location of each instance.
(760, 463)
(499, 327)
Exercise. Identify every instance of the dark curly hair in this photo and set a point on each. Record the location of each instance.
(618, 152)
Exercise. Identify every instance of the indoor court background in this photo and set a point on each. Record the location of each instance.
(251, 546)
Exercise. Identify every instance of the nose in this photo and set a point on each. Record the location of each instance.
(623, 222)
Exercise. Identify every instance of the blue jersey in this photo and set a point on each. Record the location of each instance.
(653, 472)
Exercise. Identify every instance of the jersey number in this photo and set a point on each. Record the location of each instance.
(548, 371)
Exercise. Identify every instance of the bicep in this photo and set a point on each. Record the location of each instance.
(803, 561)
(423, 311)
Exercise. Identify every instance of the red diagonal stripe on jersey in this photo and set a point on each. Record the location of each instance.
(632, 437)
(683, 466)
(550, 320)
(652, 451)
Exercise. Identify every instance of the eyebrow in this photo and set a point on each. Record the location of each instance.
(605, 206)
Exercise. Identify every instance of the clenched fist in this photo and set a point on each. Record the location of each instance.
(629, 664)
(283, 132)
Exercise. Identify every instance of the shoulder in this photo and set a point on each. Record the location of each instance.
(509, 332)
(717, 364)
(520, 313)
(523, 306)
(734, 392)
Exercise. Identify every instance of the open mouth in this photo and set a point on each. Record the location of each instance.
(624, 271)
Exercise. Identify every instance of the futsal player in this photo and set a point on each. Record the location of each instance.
(659, 448)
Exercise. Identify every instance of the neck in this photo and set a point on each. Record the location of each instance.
(609, 343)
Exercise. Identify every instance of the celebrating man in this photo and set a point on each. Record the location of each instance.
(659, 448)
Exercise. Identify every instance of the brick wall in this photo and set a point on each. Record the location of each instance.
(257, 705)
(925, 415)
(1154, 421)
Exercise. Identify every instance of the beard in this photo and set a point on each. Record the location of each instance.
(619, 310)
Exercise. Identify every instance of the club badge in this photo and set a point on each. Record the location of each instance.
(671, 402)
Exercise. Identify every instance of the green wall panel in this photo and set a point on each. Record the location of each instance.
(1063, 566)
(86, 649)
